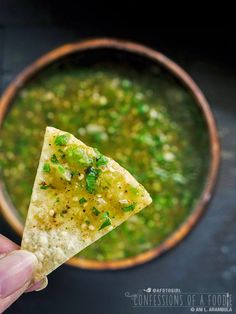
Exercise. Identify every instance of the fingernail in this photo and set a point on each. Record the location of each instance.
(16, 269)
(43, 285)
(40, 285)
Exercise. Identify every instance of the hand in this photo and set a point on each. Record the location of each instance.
(16, 271)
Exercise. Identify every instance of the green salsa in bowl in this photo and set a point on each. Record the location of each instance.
(131, 107)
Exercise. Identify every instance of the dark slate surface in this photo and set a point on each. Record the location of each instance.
(23, 13)
(206, 259)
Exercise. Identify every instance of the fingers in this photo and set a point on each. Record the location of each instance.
(16, 269)
(40, 285)
(6, 245)
(6, 302)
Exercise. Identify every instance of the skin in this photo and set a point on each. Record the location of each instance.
(16, 271)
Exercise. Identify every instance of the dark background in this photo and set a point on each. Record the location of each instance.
(206, 260)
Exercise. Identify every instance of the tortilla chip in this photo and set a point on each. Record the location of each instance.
(79, 195)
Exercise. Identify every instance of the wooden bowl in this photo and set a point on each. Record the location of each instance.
(136, 50)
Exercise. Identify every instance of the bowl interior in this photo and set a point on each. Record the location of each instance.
(131, 109)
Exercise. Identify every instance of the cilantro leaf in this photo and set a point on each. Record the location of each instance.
(91, 178)
(129, 208)
(62, 140)
(102, 161)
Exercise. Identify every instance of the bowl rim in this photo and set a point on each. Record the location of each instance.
(174, 69)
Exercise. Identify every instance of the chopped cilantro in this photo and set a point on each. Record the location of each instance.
(65, 173)
(129, 208)
(62, 140)
(82, 200)
(46, 167)
(61, 169)
(102, 161)
(95, 211)
(106, 223)
(91, 178)
(44, 186)
(105, 215)
(54, 159)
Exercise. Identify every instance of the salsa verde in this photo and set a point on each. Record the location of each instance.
(145, 120)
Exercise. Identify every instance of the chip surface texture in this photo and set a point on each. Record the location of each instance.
(79, 195)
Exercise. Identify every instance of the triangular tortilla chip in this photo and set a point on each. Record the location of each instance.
(78, 196)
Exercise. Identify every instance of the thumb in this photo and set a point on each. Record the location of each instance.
(16, 269)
